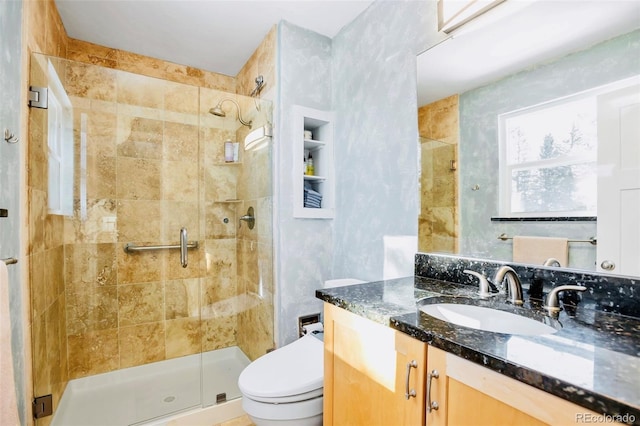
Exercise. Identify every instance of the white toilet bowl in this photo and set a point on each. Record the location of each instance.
(285, 386)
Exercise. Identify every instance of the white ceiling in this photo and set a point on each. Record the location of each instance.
(220, 35)
(516, 35)
(213, 35)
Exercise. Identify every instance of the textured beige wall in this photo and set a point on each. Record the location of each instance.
(439, 136)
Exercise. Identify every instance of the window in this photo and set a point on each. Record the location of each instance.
(60, 147)
(548, 159)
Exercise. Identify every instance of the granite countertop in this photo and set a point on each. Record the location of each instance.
(593, 360)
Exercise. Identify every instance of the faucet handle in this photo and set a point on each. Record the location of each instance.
(552, 304)
(485, 286)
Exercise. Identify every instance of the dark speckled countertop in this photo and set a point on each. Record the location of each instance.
(593, 360)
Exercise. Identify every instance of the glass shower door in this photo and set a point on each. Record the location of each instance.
(114, 161)
(133, 334)
(237, 292)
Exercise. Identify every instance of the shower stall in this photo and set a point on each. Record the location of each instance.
(141, 270)
(438, 220)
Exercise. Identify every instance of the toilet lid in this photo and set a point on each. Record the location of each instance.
(293, 369)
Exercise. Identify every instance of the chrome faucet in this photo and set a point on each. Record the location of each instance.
(552, 305)
(514, 286)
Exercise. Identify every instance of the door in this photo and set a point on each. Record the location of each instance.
(374, 375)
(464, 393)
(619, 172)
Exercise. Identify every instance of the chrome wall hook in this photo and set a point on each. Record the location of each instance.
(10, 137)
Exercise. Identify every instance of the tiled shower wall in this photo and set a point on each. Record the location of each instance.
(255, 187)
(82, 51)
(439, 137)
(44, 249)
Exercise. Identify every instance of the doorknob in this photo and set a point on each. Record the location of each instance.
(608, 265)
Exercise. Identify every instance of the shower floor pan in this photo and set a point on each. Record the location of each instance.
(138, 395)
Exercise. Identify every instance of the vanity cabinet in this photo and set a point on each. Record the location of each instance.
(365, 383)
(469, 394)
(320, 146)
(366, 372)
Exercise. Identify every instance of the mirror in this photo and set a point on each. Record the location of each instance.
(516, 56)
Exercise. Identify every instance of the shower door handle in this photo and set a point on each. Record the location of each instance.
(183, 247)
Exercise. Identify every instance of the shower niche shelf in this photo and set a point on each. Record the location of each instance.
(320, 146)
(232, 201)
(314, 178)
(230, 163)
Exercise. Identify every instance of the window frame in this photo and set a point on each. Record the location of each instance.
(505, 169)
(60, 150)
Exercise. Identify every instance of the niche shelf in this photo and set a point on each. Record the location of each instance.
(229, 201)
(320, 124)
(229, 163)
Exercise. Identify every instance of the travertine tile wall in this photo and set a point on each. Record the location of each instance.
(82, 283)
(262, 62)
(255, 188)
(90, 53)
(44, 251)
(116, 313)
(439, 136)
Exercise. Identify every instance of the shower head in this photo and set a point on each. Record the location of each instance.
(217, 111)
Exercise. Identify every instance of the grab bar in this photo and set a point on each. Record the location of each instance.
(10, 260)
(183, 247)
(592, 240)
(130, 247)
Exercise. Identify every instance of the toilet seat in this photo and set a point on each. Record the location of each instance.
(289, 374)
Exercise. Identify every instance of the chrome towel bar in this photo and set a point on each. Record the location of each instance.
(592, 240)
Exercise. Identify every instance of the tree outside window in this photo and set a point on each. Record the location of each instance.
(549, 159)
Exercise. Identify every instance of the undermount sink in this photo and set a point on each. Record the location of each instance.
(487, 319)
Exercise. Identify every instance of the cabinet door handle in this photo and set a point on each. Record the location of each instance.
(410, 392)
(431, 405)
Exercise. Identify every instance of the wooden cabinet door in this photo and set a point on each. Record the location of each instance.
(366, 373)
(437, 388)
(469, 394)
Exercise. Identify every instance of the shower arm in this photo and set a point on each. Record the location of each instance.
(238, 115)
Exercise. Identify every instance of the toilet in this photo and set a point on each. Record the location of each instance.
(285, 386)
